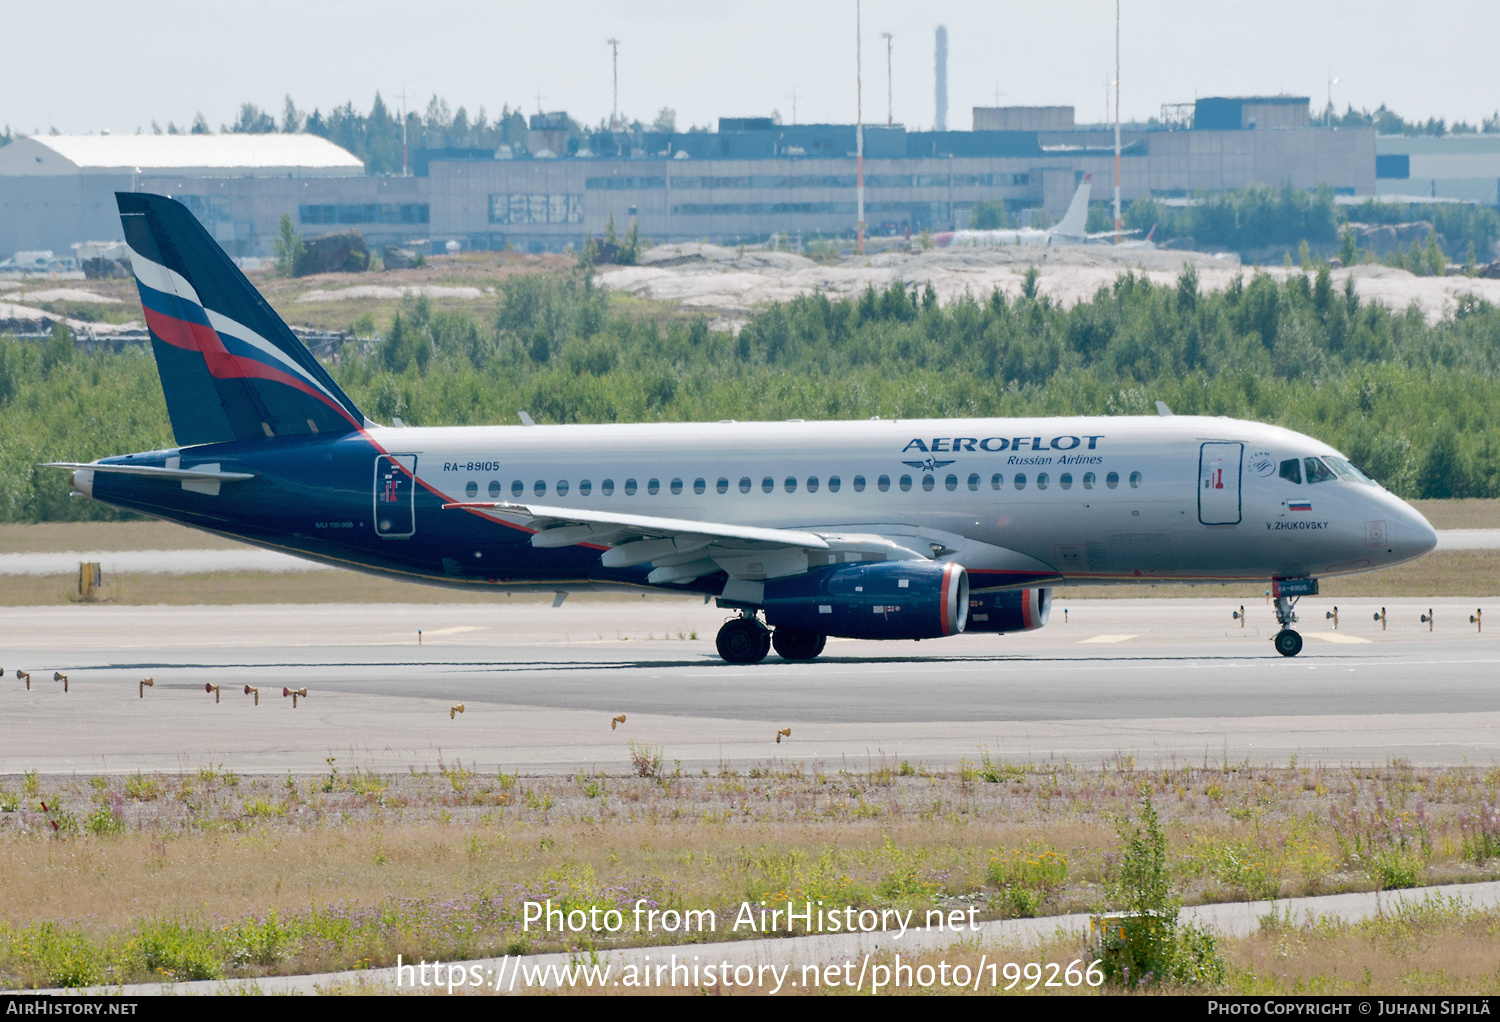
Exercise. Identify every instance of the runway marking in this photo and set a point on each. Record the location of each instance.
(1108, 638)
(1337, 637)
(454, 630)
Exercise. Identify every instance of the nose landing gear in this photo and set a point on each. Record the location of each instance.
(1287, 642)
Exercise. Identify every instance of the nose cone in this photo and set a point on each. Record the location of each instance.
(1413, 534)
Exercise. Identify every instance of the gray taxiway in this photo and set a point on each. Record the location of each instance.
(1156, 679)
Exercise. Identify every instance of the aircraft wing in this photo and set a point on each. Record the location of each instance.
(680, 550)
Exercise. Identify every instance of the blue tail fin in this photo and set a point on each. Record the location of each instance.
(230, 367)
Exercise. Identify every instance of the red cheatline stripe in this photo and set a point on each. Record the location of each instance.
(947, 605)
(223, 365)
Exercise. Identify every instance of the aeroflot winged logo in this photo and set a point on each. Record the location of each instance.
(995, 444)
(930, 465)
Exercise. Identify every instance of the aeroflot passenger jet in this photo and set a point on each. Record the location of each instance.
(885, 529)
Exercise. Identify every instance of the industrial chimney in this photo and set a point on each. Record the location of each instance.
(942, 79)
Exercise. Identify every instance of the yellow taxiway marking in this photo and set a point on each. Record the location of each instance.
(1108, 638)
(1335, 637)
(453, 631)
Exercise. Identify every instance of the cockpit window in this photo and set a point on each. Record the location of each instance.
(1291, 471)
(1346, 470)
(1317, 472)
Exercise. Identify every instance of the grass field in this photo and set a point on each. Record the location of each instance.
(1473, 573)
(207, 874)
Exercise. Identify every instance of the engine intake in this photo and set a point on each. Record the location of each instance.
(1009, 610)
(885, 600)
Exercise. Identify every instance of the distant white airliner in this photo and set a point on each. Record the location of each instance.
(879, 529)
(1070, 230)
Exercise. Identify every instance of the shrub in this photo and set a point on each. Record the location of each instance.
(1146, 944)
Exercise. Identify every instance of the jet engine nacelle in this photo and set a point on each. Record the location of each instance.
(1009, 610)
(884, 600)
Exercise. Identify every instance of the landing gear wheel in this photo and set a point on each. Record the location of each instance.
(744, 641)
(794, 645)
(1288, 642)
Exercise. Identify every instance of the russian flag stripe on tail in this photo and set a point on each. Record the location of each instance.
(230, 367)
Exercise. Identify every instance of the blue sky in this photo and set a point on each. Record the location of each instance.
(89, 66)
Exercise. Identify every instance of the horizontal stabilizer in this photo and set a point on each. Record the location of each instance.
(187, 474)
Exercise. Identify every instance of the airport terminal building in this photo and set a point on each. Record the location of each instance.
(750, 179)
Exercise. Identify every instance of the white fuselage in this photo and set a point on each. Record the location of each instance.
(1097, 499)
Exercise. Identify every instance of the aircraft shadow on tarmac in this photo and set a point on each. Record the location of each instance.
(703, 661)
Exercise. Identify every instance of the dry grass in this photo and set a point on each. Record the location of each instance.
(359, 868)
(1440, 573)
(63, 536)
(1465, 513)
(224, 588)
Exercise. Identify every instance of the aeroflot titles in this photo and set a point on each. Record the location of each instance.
(999, 443)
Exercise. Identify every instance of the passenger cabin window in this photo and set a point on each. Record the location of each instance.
(1112, 480)
(1317, 472)
(699, 486)
(905, 484)
(745, 485)
(859, 484)
(834, 482)
(1065, 480)
(997, 481)
(562, 487)
(607, 487)
(1088, 480)
(974, 481)
(722, 485)
(1135, 480)
(1042, 480)
(812, 484)
(951, 482)
(1291, 471)
(471, 489)
(630, 487)
(653, 486)
(495, 489)
(517, 488)
(883, 483)
(1020, 480)
(540, 488)
(767, 485)
(676, 487)
(585, 488)
(791, 484)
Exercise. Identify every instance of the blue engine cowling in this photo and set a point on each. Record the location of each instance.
(1009, 610)
(884, 600)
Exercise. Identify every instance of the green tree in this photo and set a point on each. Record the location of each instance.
(289, 247)
(988, 215)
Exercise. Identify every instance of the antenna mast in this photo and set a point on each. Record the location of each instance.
(614, 113)
(1118, 222)
(890, 115)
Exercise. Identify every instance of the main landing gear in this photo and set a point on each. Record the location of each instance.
(1287, 642)
(744, 640)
